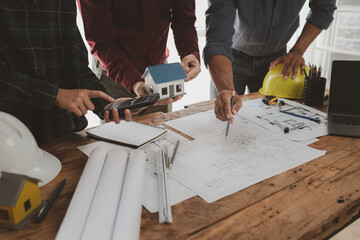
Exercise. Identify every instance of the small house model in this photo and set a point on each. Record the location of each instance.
(19, 199)
(165, 79)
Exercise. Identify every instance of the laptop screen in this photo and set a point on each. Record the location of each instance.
(345, 87)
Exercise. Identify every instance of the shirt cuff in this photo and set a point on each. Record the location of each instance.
(216, 49)
(321, 21)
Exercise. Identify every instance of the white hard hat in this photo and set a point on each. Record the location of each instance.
(19, 152)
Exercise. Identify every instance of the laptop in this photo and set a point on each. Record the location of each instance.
(344, 99)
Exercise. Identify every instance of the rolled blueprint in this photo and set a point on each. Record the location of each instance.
(101, 218)
(76, 215)
(128, 219)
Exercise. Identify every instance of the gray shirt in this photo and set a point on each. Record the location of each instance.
(258, 27)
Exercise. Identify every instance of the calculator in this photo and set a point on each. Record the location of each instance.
(132, 104)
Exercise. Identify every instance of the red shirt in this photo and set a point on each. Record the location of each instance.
(130, 35)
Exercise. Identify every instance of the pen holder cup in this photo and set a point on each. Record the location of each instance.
(314, 92)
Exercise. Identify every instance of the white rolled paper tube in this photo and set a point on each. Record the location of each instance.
(128, 219)
(74, 220)
(102, 215)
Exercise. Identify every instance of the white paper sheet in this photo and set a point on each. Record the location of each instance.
(102, 214)
(128, 218)
(177, 191)
(75, 218)
(214, 167)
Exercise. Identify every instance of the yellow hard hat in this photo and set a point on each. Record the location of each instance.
(285, 88)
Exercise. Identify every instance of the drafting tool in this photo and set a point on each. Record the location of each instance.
(166, 154)
(165, 215)
(285, 129)
(174, 153)
(270, 100)
(228, 123)
(301, 116)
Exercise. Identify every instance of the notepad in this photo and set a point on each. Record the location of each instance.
(133, 134)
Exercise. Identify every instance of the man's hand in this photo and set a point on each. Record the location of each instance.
(116, 118)
(223, 109)
(291, 62)
(294, 58)
(191, 66)
(78, 101)
(139, 90)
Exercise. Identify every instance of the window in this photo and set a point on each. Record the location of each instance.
(178, 88)
(27, 205)
(164, 91)
(4, 215)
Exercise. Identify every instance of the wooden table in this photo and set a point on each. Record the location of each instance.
(308, 202)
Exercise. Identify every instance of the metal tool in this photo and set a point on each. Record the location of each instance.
(270, 100)
(165, 215)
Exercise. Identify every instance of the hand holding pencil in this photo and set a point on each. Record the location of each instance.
(229, 118)
(223, 109)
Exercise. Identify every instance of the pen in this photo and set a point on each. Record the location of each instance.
(301, 116)
(285, 129)
(173, 156)
(44, 210)
(228, 123)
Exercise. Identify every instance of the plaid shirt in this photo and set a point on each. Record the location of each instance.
(41, 51)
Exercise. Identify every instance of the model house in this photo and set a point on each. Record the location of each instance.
(165, 79)
(19, 199)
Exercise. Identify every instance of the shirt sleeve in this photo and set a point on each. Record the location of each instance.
(321, 13)
(88, 79)
(220, 18)
(183, 26)
(19, 87)
(99, 28)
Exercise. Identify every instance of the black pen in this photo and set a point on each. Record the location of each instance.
(228, 123)
(44, 210)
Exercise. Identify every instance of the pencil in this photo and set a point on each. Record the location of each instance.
(173, 156)
(228, 123)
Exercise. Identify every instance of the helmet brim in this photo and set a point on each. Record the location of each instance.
(47, 169)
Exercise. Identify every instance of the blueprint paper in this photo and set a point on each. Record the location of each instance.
(264, 115)
(128, 219)
(214, 167)
(202, 125)
(205, 124)
(74, 221)
(102, 214)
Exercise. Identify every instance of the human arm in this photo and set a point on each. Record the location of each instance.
(319, 18)
(220, 69)
(294, 58)
(93, 97)
(185, 36)
(18, 86)
(220, 18)
(191, 66)
(99, 30)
